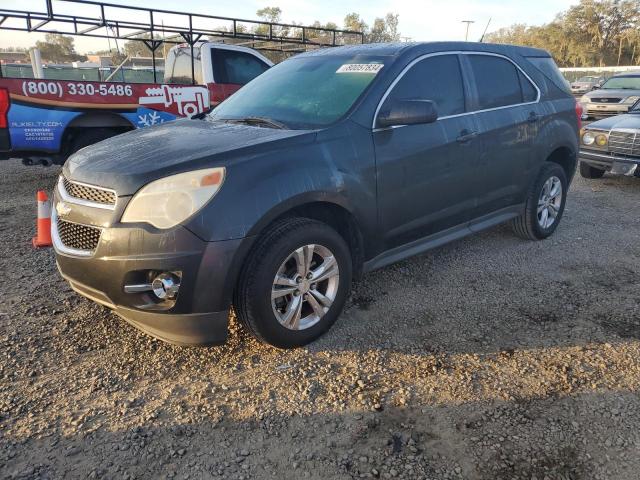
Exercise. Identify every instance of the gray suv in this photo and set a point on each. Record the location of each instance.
(329, 165)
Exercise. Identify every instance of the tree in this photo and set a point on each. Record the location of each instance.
(354, 23)
(384, 29)
(270, 14)
(591, 33)
(58, 48)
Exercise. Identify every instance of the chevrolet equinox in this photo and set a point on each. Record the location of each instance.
(330, 164)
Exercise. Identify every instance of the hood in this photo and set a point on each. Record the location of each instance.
(630, 120)
(612, 93)
(581, 84)
(127, 162)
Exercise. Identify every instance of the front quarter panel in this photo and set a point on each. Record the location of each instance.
(338, 167)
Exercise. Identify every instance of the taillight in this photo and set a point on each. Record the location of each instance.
(579, 112)
(4, 107)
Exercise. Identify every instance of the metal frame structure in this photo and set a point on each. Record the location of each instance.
(184, 28)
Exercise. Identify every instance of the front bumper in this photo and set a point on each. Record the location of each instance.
(131, 254)
(601, 110)
(608, 161)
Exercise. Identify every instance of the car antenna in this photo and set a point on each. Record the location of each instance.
(485, 30)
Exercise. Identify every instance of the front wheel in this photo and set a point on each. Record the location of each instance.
(545, 204)
(587, 171)
(294, 283)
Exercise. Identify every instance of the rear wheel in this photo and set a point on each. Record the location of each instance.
(587, 171)
(294, 283)
(545, 204)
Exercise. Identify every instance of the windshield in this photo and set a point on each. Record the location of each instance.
(306, 92)
(624, 83)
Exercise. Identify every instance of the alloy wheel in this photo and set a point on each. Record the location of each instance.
(550, 202)
(305, 287)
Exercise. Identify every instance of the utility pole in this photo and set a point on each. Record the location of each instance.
(468, 22)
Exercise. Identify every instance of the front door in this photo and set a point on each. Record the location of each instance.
(428, 174)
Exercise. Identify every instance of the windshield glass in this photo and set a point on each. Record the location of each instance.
(624, 83)
(306, 92)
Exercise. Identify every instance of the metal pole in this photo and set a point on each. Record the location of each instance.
(468, 22)
(153, 50)
(36, 63)
(191, 42)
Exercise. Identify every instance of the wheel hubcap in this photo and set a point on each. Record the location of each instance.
(549, 202)
(305, 287)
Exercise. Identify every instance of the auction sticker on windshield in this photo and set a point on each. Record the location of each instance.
(360, 68)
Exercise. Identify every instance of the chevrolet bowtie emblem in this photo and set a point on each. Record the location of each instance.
(62, 209)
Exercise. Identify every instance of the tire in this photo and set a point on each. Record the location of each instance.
(587, 171)
(529, 225)
(274, 254)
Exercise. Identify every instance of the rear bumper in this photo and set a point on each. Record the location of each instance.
(5, 140)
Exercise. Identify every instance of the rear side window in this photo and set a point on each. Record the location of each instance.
(438, 79)
(497, 81)
(178, 66)
(239, 68)
(547, 66)
(529, 93)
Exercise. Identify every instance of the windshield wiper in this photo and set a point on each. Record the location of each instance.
(268, 122)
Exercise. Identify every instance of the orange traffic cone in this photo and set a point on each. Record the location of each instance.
(43, 237)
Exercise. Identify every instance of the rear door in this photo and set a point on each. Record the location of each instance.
(507, 114)
(427, 174)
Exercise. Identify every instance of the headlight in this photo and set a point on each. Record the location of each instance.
(631, 100)
(602, 140)
(169, 201)
(584, 99)
(588, 138)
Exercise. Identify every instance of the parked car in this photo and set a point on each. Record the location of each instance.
(586, 84)
(616, 96)
(328, 165)
(611, 145)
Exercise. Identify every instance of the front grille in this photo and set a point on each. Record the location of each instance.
(624, 142)
(91, 194)
(78, 237)
(606, 100)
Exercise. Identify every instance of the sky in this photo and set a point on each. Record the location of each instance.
(420, 20)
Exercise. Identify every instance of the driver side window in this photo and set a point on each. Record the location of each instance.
(438, 79)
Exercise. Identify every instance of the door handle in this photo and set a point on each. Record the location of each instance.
(466, 136)
(533, 117)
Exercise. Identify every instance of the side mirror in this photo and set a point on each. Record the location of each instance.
(596, 87)
(407, 112)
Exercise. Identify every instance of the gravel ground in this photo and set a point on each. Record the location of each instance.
(490, 358)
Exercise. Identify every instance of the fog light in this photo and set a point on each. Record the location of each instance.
(165, 286)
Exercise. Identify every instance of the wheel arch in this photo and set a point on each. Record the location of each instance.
(101, 120)
(334, 211)
(566, 157)
(105, 120)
